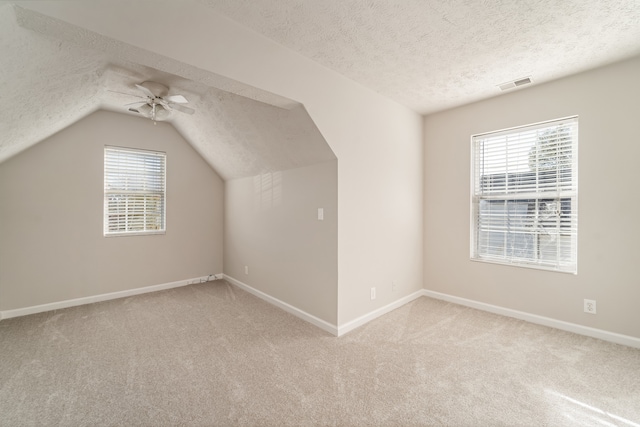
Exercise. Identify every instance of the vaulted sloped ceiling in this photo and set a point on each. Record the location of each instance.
(53, 74)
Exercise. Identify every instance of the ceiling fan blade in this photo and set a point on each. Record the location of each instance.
(182, 108)
(178, 99)
(146, 91)
(134, 103)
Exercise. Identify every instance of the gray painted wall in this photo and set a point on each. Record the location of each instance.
(606, 101)
(272, 226)
(51, 208)
(378, 142)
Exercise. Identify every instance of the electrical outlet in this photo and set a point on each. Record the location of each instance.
(246, 269)
(590, 306)
(373, 293)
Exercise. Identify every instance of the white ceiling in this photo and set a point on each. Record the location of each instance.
(52, 74)
(431, 54)
(428, 55)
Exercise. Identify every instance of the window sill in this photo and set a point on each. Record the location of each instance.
(135, 233)
(566, 270)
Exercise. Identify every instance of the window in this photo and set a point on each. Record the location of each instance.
(134, 191)
(524, 196)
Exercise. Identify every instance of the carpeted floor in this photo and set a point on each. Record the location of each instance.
(213, 355)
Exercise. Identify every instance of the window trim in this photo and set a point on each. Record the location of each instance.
(537, 195)
(161, 231)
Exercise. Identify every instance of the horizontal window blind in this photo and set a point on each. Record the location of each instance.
(524, 196)
(134, 191)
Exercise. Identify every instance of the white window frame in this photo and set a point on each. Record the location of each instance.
(521, 217)
(134, 191)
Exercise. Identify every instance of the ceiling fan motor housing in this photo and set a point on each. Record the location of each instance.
(159, 90)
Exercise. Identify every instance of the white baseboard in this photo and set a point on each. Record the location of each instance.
(6, 314)
(326, 326)
(540, 320)
(353, 324)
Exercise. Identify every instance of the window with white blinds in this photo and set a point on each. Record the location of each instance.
(524, 196)
(134, 191)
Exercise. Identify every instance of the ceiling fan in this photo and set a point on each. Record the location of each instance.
(157, 103)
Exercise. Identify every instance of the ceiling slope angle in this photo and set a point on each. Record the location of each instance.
(238, 136)
(45, 85)
(58, 73)
(431, 55)
(242, 137)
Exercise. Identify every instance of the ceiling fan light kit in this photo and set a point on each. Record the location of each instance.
(155, 112)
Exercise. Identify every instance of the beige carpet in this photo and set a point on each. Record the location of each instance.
(213, 355)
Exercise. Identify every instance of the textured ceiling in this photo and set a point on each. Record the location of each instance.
(432, 54)
(428, 55)
(53, 74)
